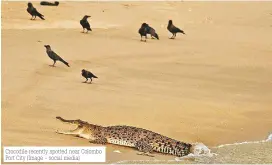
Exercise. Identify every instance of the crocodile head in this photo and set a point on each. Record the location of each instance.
(83, 129)
(77, 122)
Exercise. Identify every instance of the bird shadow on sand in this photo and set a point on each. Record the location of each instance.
(173, 38)
(84, 82)
(34, 20)
(58, 68)
(85, 33)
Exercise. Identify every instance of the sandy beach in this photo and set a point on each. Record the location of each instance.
(212, 85)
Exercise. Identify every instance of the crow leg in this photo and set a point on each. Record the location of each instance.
(86, 80)
(172, 36)
(82, 31)
(141, 38)
(145, 38)
(91, 80)
(54, 63)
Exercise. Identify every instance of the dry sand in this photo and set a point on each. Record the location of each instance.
(212, 85)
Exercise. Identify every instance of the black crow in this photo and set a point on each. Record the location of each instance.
(152, 32)
(173, 29)
(46, 3)
(85, 24)
(54, 56)
(33, 12)
(87, 74)
(143, 31)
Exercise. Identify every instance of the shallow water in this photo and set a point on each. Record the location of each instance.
(251, 152)
(255, 152)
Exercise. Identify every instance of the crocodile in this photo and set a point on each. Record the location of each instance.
(145, 141)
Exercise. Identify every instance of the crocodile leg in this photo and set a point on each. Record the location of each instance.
(101, 140)
(144, 148)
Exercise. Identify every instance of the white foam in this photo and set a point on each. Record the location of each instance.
(117, 151)
(199, 150)
(269, 138)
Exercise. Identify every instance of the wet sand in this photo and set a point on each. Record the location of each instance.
(212, 85)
